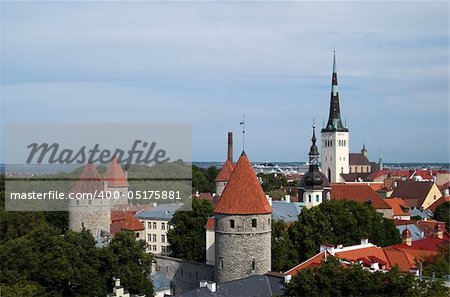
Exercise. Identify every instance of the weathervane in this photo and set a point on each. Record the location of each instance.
(243, 132)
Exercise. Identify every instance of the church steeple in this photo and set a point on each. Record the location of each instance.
(314, 151)
(334, 120)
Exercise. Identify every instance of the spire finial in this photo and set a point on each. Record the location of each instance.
(314, 132)
(334, 61)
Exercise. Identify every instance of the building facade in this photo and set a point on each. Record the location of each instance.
(335, 137)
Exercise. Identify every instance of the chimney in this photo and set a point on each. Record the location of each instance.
(287, 198)
(364, 240)
(203, 283)
(406, 237)
(438, 231)
(230, 147)
(211, 286)
(287, 278)
(269, 199)
(327, 247)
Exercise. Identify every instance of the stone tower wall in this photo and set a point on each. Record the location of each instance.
(237, 248)
(94, 214)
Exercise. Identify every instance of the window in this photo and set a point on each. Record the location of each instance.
(154, 237)
(82, 225)
(362, 170)
(137, 234)
(268, 221)
(163, 226)
(154, 248)
(253, 223)
(253, 265)
(309, 198)
(342, 169)
(221, 263)
(163, 238)
(231, 223)
(149, 225)
(154, 225)
(149, 237)
(163, 249)
(317, 198)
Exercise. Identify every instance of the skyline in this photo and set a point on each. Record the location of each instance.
(209, 63)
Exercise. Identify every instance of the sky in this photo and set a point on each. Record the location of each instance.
(208, 63)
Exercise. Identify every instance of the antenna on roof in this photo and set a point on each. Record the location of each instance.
(243, 132)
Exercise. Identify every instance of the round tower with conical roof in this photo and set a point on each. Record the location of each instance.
(243, 226)
(89, 212)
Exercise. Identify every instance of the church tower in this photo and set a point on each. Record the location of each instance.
(314, 187)
(242, 227)
(335, 137)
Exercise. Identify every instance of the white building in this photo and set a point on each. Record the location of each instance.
(156, 223)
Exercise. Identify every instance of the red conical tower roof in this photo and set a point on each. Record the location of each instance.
(115, 176)
(225, 172)
(89, 181)
(243, 193)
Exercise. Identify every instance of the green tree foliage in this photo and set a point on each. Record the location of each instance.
(270, 182)
(440, 266)
(442, 214)
(340, 222)
(284, 254)
(204, 180)
(44, 262)
(331, 278)
(187, 238)
(127, 260)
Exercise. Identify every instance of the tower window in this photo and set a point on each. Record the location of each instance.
(309, 198)
(342, 169)
(317, 198)
(231, 223)
(221, 263)
(253, 265)
(253, 223)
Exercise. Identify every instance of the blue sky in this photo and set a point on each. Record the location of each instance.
(207, 63)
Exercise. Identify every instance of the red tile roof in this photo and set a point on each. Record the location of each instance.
(210, 223)
(89, 181)
(225, 171)
(398, 206)
(203, 196)
(243, 193)
(115, 176)
(361, 193)
(427, 244)
(132, 223)
(357, 159)
(410, 189)
(311, 262)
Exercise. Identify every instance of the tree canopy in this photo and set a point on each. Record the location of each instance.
(442, 214)
(340, 222)
(187, 236)
(284, 254)
(331, 278)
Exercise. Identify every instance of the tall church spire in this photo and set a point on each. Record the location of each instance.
(334, 120)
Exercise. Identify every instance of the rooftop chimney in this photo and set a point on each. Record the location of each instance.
(406, 237)
(211, 286)
(438, 229)
(230, 147)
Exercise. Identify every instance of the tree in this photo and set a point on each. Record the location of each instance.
(284, 254)
(340, 222)
(440, 266)
(331, 278)
(272, 181)
(442, 214)
(204, 180)
(126, 259)
(187, 237)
